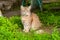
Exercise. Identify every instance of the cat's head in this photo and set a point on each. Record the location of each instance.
(25, 10)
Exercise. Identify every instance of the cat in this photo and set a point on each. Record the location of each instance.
(29, 19)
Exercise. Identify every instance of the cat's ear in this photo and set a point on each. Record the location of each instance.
(30, 7)
(1, 13)
(22, 6)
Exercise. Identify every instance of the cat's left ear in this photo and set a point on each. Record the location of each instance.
(30, 7)
(1, 13)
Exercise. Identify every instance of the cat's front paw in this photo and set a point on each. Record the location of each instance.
(40, 31)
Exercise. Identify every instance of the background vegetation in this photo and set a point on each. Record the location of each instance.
(11, 28)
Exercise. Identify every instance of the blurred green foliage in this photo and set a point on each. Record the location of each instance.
(50, 18)
(51, 5)
(9, 31)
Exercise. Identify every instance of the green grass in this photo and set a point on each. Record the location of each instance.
(10, 30)
(49, 18)
(51, 5)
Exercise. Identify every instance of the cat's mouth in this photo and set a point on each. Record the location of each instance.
(24, 15)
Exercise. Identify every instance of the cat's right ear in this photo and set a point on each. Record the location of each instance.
(22, 6)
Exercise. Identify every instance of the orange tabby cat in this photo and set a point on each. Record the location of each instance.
(29, 20)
